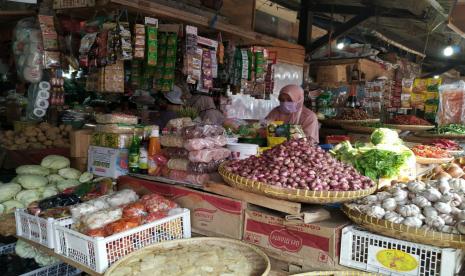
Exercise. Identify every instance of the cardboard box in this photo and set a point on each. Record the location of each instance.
(314, 245)
(107, 162)
(332, 74)
(211, 215)
(79, 163)
(79, 142)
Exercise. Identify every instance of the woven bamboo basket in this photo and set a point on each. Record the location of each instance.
(410, 127)
(7, 225)
(338, 122)
(296, 195)
(427, 161)
(256, 257)
(337, 273)
(404, 232)
(361, 129)
(439, 136)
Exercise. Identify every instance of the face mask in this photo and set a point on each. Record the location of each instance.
(288, 107)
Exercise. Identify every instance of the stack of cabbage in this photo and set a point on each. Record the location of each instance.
(25, 250)
(36, 182)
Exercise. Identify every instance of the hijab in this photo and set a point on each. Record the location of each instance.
(296, 93)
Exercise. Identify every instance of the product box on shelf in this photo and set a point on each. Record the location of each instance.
(98, 253)
(107, 162)
(367, 251)
(211, 215)
(305, 245)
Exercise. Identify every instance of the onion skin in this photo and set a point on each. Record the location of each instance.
(296, 164)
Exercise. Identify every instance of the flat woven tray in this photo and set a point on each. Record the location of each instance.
(256, 257)
(410, 127)
(338, 273)
(337, 122)
(404, 232)
(296, 195)
(439, 136)
(361, 129)
(427, 161)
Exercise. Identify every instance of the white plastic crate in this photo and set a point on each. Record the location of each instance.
(36, 229)
(366, 251)
(98, 253)
(60, 269)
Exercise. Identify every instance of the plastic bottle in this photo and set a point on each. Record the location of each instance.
(134, 154)
(143, 153)
(154, 149)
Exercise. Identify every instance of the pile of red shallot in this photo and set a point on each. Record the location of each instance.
(299, 165)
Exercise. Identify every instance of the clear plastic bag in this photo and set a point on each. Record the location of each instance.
(202, 131)
(201, 167)
(205, 143)
(208, 155)
(178, 164)
(175, 152)
(451, 104)
(172, 141)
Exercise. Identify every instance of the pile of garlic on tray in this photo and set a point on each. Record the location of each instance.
(437, 205)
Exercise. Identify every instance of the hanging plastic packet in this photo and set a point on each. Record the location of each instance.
(86, 43)
(139, 41)
(125, 38)
(152, 40)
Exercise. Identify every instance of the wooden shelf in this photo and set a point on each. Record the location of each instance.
(62, 258)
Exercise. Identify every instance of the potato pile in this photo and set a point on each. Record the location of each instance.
(41, 136)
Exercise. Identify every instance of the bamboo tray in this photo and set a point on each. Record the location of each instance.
(437, 135)
(410, 127)
(362, 129)
(427, 161)
(404, 232)
(338, 273)
(338, 122)
(296, 195)
(257, 258)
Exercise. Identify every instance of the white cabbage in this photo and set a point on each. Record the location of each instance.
(30, 181)
(11, 205)
(8, 191)
(55, 162)
(32, 169)
(28, 196)
(69, 173)
(67, 183)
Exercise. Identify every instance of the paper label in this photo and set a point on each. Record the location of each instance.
(394, 260)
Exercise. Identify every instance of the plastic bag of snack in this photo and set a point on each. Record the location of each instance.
(205, 143)
(178, 164)
(155, 216)
(155, 203)
(202, 131)
(122, 225)
(171, 152)
(101, 218)
(200, 167)
(171, 141)
(122, 197)
(208, 155)
(98, 232)
(198, 179)
(136, 209)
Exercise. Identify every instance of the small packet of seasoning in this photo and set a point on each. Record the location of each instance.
(125, 38)
(139, 41)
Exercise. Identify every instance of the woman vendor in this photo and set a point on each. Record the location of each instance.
(291, 110)
(207, 109)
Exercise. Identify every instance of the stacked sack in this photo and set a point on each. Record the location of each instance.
(36, 182)
(194, 151)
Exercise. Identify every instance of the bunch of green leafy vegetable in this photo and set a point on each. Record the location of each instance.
(376, 163)
(451, 129)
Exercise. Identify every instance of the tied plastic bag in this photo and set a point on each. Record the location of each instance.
(178, 164)
(175, 152)
(202, 131)
(208, 155)
(202, 168)
(101, 218)
(193, 178)
(451, 104)
(205, 143)
(171, 141)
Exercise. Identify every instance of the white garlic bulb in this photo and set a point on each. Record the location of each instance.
(443, 185)
(461, 226)
(435, 221)
(456, 200)
(399, 195)
(446, 229)
(461, 215)
(371, 199)
(376, 211)
(430, 211)
(389, 204)
(448, 219)
(413, 222)
(442, 207)
(446, 197)
(455, 211)
(458, 184)
(415, 186)
(432, 194)
(408, 210)
(420, 216)
(393, 217)
(421, 201)
(383, 195)
(462, 205)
